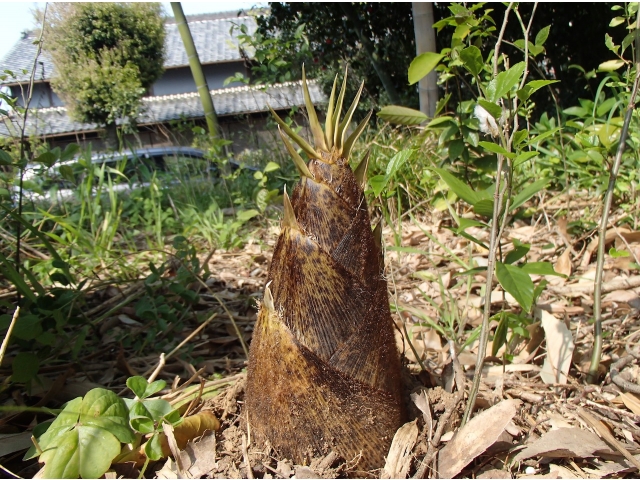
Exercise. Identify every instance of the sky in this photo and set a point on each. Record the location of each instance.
(16, 17)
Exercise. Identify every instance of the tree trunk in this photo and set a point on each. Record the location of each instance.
(196, 69)
(370, 50)
(111, 142)
(426, 42)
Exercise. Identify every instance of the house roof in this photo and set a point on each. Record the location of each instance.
(211, 35)
(55, 121)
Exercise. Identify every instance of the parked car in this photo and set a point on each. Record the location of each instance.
(128, 170)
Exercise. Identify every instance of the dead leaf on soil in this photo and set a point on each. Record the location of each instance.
(400, 456)
(475, 437)
(631, 401)
(190, 428)
(199, 457)
(421, 401)
(559, 349)
(562, 443)
(563, 264)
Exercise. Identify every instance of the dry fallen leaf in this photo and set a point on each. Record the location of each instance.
(400, 456)
(631, 401)
(421, 401)
(563, 264)
(475, 437)
(563, 442)
(559, 349)
(199, 457)
(190, 428)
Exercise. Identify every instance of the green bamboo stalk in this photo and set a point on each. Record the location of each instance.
(196, 69)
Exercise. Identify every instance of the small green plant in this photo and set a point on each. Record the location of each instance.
(147, 415)
(88, 435)
(85, 437)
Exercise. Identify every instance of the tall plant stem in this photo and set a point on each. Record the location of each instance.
(602, 230)
(22, 140)
(494, 241)
(196, 69)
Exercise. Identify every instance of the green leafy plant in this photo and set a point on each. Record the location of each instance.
(147, 415)
(86, 437)
(485, 137)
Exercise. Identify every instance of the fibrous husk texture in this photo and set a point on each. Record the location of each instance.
(324, 372)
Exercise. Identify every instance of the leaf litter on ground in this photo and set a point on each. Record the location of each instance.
(434, 303)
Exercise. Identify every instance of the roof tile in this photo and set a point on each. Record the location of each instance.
(158, 109)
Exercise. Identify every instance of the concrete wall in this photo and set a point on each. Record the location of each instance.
(180, 80)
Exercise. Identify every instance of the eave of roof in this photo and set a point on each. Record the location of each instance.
(54, 121)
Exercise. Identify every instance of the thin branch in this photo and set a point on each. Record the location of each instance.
(22, 140)
(496, 50)
(608, 199)
(7, 336)
(525, 31)
(493, 242)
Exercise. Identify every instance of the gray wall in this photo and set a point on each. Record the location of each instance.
(43, 96)
(180, 80)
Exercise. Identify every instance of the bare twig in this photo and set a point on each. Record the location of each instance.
(493, 243)
(442, 422)
(5, 469)
(608, 198)
(245, 455)
(615, 371)
(158, 369)
(7, 336)
(233, 320)
(22, 140)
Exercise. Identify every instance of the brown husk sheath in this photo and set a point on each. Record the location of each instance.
(324, 371)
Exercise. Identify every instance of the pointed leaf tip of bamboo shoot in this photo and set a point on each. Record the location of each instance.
(267, 300)
(294, 136)
(289, 219)
(297, 159)
(361, 170)
(316, 129)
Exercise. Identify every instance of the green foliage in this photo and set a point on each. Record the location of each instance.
(326, 37)
(106, 56)
(87, 435)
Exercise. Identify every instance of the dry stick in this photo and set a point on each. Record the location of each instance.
(157, 370)
(245, 454)
(615, 371)
(7, 336)
(597, 291)
(9, 472)
(442, 422)
(493, 240)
